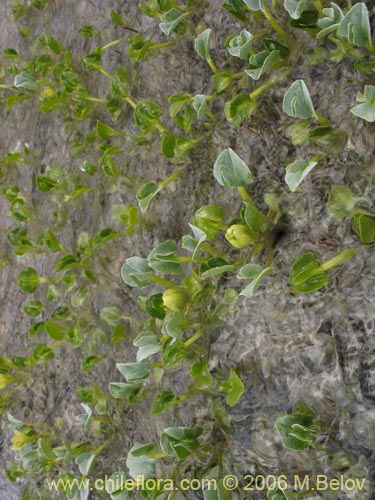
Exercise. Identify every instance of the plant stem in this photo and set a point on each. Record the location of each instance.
(162, 281)
(111, 44)
(211, 64)
(244, 194)
(162, 45)
(275, 25)
(194, 338)
(171, 178)
(108, 75)
(96, 99)
(269, 83)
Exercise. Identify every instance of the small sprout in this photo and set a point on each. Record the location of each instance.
(240, 45)
(262, 62)
(175, 299)
(331, 22)
(366, 108)
(240, 236)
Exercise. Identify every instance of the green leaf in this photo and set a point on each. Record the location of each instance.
(111, 316)
(296, 7)
(202, 44)
(299, 429)
(231, 171)
(148, 344)
(146, 113)
(307, 21)
(341, 202)
(45, 183)
(355, 26)
(254, 272)
(297, 171)
(54, 330)
(26, 80)
(331, 22)
(303, 268)
(104, 235)
(216, 270)
(254, 4)
(238, 108)
(68, 262)
(90, 361)
(146, 194)
(133, 372)
(254, 218)
(203, 378)
(170, 20)
(33, 308)
(297, 101)
(208, 218)
(136, 272)
(154, 306)
(138, 48)
(200, 106)
(28, 280)
(165, 249)
(173, 326)
(104, 132)
(180, 441)
(120, 390)
(262, 62)
(364, 227)
(117, 19)
(42, 353)
(233, 388)
(240, 45)
(163, 401)
(87, 31)
(140, 465)
(85, 462)
(365, 110)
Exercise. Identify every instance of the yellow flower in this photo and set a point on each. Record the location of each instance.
(19, 439)
(175, 299)
(239, 236)
(5, 380)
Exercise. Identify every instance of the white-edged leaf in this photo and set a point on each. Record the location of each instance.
(297, 171)
(231, 171)
(297, 101)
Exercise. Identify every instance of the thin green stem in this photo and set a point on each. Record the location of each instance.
(244, 194)
(211, 64)
(194, 338)
(162, 281)
(273, 80)
(96, 99)
(171, 178)
(111, 44)
(162, 45)
(104, 72)
(275, 25)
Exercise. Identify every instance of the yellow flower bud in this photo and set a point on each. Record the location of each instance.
(5, 379)
(46, 93)
(175, 299)
(19, 439)
(239, 236)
